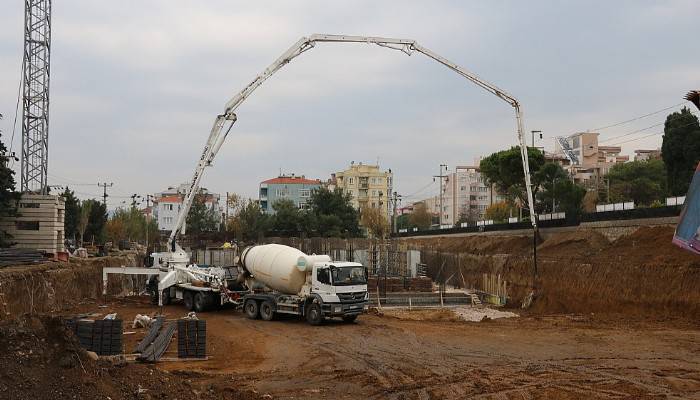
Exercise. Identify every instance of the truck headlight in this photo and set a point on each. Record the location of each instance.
(338, 309)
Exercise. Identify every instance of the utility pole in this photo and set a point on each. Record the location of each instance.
(440, 176)
(133, 199)
(104, 186)
(148, 218)
(396, 199)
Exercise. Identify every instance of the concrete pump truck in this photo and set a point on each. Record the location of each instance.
(271, 279)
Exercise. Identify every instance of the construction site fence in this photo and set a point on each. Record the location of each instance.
(570, 220)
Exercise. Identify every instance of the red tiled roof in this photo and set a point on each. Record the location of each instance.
(178, 199)
(170, 199)
(292, 181)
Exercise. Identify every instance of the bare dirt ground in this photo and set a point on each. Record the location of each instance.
(434, 356)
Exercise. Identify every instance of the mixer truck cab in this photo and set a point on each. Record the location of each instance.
(284, 280)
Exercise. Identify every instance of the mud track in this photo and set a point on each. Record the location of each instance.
(379, 357)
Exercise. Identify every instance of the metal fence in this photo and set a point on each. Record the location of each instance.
(622, 214)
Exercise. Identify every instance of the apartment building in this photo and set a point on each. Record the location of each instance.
(466, 196)
(290, 187)
(589, 159)
(646, 155)
(368, 185)
(167, 205)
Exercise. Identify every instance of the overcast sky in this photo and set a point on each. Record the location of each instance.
(136, 85)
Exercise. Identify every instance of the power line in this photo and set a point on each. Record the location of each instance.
(635, 139)
(637, 118)
(421, 190)
(648, 127)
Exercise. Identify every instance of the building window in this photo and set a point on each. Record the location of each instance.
(374, 193)
(282, 192)
(168, 207)
(350, 181)
(27, 225)
(304, 192)
(28, 205)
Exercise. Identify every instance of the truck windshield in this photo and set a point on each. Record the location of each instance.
(345, 276)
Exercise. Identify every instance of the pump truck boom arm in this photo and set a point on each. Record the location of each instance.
(228, 117)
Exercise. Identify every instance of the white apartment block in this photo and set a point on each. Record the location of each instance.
(464, 194)
(167, 205)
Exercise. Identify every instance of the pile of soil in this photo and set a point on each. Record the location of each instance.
(40, 359)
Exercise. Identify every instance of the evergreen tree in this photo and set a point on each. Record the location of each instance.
(72, 215)
(680, 150)
(288, 219)
(200, 217)
(331, 214)
(8, 196)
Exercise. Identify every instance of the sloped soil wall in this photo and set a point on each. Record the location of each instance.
(640, 273)
(54, 286)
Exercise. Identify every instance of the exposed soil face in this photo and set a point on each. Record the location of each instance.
(39, 359)
(432, 355)
(55, 286)
(642, 273)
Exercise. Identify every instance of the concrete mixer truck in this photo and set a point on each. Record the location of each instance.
(283, 280)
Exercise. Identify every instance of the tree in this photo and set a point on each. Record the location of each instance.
(403, 221)
(467, 214)
(566, 197)
(288, 219)
(97, 219)
(557, 192)
(201, 218)
(680, 150)
(72, 214)
(498, 212)
(251, 221)
(331, 214)
(8, 196)
(420, 217)
(638, 181)
(504, 169)
(116, 229)
(83, 219)
(131, 224)
(375, 222)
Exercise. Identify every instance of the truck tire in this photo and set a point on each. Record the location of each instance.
(152, 288)
(267, 310)
(200, 302)
(314, 316)
(251, 309)
(350, 318)
(188, 300)
(166, 297)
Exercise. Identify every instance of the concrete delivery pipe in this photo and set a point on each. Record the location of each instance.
(281, 268)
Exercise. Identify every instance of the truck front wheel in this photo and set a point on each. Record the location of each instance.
(350, 318)
(313, 314)
(251, 309)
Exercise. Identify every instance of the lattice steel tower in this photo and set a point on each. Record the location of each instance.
(35, 111)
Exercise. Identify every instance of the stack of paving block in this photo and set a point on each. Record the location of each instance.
(104, 337)
(191, 338)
